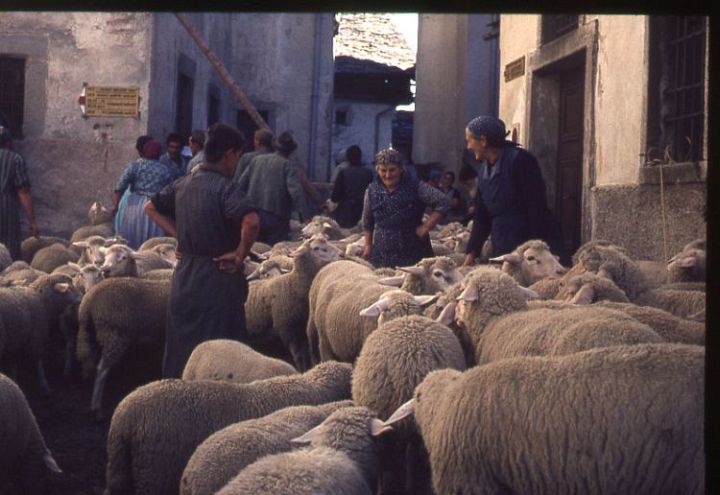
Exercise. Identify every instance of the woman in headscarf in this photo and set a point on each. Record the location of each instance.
(143, 178)
(393, 227)
(510, 204)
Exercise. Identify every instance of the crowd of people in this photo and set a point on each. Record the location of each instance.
(217, 201)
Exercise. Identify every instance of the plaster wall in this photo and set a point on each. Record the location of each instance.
(361, 128)
(73, 161)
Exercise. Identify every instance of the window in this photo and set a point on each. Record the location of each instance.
(247, 126)
(676, 100)
(184, 108)
(341, 117)
(213, 112)
(12, 93)
(554, 26)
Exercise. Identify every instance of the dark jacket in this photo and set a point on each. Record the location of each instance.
(348, 192)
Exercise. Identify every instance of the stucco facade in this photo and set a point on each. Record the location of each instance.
(283, 63)
(621, 198)
(456, 80)
(369, 125)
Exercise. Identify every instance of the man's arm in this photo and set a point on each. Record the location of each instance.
(249, 228)
(166, 223)
(27, 205)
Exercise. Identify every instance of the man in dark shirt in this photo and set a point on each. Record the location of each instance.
(173, 156)
(215, 226)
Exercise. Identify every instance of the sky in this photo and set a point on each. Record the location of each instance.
(407, 24)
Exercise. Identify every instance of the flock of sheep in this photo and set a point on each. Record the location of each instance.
(517, 376)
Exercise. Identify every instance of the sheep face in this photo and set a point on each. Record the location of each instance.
(167, 252)
(689, 265)
(88, 277)
(436, 274)
(395, 304)
(91, 250)
(320, 249)
(117, 259)
(535, 263)
(98, 213)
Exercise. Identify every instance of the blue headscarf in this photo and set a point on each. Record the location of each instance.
(492, 128)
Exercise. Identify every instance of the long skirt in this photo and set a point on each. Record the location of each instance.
(134, 225)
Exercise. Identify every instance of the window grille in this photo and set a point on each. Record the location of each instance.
(554, 26)
(683, 86)
(12, 92)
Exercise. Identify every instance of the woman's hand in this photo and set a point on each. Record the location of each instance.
(34, 231)
(229, 262)
(367, 251)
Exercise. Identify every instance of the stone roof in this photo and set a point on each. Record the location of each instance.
(372, 38)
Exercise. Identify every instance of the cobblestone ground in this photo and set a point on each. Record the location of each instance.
(74, 436)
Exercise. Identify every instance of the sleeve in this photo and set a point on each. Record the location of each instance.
(126, 178)
(481, 226)
(368, 220)
(21, 178)
(434, 198)
(531, 186)
(164, 200)
(338, 190)
(235, 204)
(295, 189)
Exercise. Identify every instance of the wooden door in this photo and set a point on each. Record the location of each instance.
(568, 206)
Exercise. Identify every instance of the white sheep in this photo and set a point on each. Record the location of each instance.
(123, 261)
(155, 429)
(232, 361)
(101, 223)
(32, 244)
(226, 452)
(19, 273)
(530, 262)
(327, 226)
(5, 257)
(153, 242)
(393, 361)
(623, 419)
(25, 460)
(48, 258)
(277, 307)
(689, 265)
(342, 458)
(113, 315)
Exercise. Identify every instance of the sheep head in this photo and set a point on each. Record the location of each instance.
(395, 304)
(530, 262)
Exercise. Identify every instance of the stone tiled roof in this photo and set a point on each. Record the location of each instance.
(370, 37)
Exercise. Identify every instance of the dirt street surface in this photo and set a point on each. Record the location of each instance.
(76, 437)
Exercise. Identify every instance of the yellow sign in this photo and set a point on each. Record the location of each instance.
(107, 101)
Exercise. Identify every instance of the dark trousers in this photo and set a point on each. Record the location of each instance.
(273, 228)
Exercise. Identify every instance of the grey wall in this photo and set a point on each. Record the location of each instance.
(361, 128)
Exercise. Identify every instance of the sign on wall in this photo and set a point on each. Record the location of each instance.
(110, 101)
(515, 69)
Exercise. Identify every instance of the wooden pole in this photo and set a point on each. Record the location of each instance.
(224, 74)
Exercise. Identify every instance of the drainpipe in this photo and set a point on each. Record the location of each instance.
(377, 127)
(312, 155)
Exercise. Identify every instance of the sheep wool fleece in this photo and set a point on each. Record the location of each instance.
(205, 303)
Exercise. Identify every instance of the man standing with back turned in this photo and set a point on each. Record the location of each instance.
(215, 226)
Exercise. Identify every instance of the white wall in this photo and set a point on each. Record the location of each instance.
(361, 129)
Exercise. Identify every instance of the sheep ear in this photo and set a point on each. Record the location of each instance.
(511, 258)
(255, 274)
(688, 262)
(396, 281)
(402, 412)
(62, 287)
(50, 462)
(425, 300)
(139, 255)
(80, 244)
(376, 308)
(378, 427)
(327, 225)
(299, 251)
(469, 294)
(307, 437)
(585, 295)
(529, 293)
(447, 315)
(413, 270)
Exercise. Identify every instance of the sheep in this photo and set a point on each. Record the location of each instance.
(153, 242)
(233, 361)
(342, 458)
(682, 303)
(50, 257)
(5, 257)
(392, 362)
(31, 315)
(278, 306)
(155, 429)
(588, 288)
(26, 460)
(159, 274)
(272, 267)
(395, 304)
(612, 262)
(113, 315)
(654, 272)
(261, 247)
(323, 225)
(529, 262)
(101, 223)
(31, 245)
(122, 261)
(222, 455)
(493, 310)
(91, 252)
(19, 273)
(690, 265)
(335, 329)
(624, 419)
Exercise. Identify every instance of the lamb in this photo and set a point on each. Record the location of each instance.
(335, 329)
(114, 315)
(232, 361)
(32, 245)
(155, 429)
(392, 362)
(53, 256)
(624, 419)
(342, 458)
(226, 452)
(278, 307)
(31, 315)
(690, 265)
(493, 310)
(529, 262)
(26, 460)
